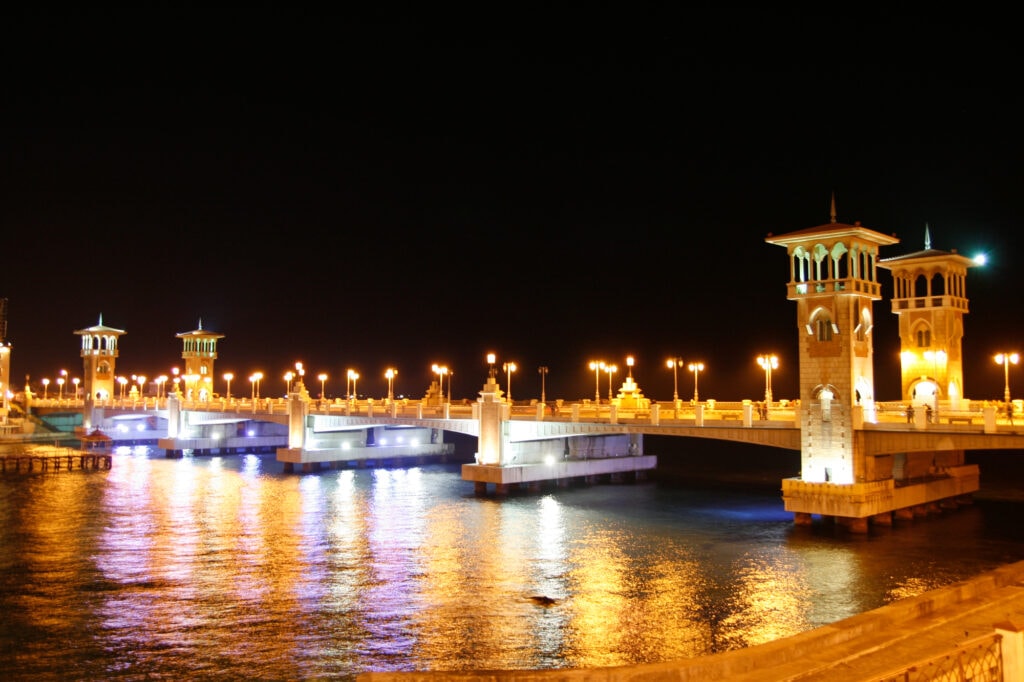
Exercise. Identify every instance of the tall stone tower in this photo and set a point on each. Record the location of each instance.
(99, 357)
(833, 280)
(930, 300)
(199, 350)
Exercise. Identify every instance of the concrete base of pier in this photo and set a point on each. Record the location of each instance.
(856, 505)
(503, 478)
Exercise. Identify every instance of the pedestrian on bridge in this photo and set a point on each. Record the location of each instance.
(1009, 412)
(910, 414)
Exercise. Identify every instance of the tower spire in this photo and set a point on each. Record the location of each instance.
(927, 238)
(833, 207)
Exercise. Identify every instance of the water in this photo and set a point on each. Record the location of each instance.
(226, 568)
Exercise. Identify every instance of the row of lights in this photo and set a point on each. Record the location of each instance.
(766, 362)
(61, 381)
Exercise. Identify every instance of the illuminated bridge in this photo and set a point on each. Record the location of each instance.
(862, 460)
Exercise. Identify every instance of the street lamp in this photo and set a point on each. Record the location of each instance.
(121, 380)
(509, 367)
(768, 363)
(258, 376)
(673, 364)
(161, 382)
(597, 366)
(46, 387)
(490, 362)
(228, 376)
(350, 384)
(1005, 359)
(288, 376)
(611, 369)
(441, 372)
(142, 384)
(390, 376)
(323, 383)
(629, 364)
(76, 381)
(696, 368)
(60, 388)
(543, 371)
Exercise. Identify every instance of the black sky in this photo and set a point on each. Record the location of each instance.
(555, 189)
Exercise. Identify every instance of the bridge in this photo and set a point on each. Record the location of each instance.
(582, 440)
(862, 460)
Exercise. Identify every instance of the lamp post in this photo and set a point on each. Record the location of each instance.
(354, 375)
(509, 367)
(768, 363)
(252, 381)
(60, 388)
(76, 381)
(673, 364)
(323, 385)
(288, 376)
(490, 363)
(440, 372)
(597, 366)
(696, 368)
(228, 376)
(160, 382)
(1005, 359)
(543, 371)
(46, 387)
(629, 364)
(611, 369)
(258, 376)
(124, 382)
(390, 376)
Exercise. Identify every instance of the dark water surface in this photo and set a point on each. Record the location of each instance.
(226, 568)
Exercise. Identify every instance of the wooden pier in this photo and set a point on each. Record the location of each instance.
(54, 459)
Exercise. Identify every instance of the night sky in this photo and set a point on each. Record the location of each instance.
(555, 189)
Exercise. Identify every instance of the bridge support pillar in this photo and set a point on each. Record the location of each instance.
(883, 519)
(904, 514)
(655, 414)
(802, 519)
(854, 525)
(699, 415)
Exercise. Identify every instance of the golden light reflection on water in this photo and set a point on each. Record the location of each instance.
(193, 566)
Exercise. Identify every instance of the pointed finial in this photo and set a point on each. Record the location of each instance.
(927, 238)
(101, 320)
(833, 207)
(200, 324)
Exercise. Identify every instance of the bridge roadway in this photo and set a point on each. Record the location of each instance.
(733, 422)
(890, 433)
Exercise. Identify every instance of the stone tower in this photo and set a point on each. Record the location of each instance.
(930, 300)
(833, 280)
(99, 357)
(199, 350)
